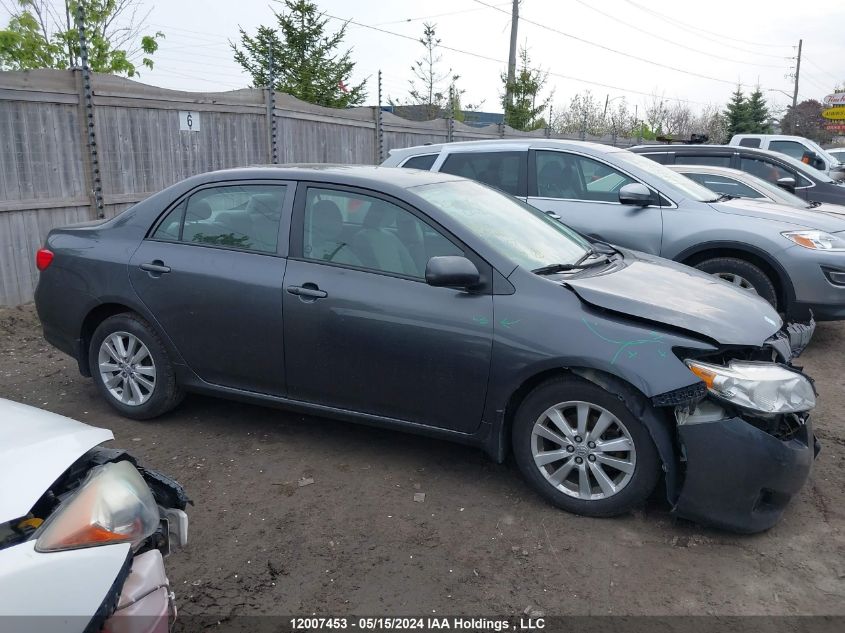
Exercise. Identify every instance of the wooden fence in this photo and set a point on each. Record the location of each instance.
(147, 138)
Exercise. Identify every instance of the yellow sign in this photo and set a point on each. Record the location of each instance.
(834, 114)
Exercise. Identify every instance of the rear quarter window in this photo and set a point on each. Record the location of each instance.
(424, 162)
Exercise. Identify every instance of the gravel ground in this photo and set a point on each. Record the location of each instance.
(296, 515)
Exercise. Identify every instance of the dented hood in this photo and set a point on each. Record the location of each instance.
(661, 291)
(36, 447)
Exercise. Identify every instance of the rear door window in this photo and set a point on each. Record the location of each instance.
(503, 170)
(749, 142)
(243, 217)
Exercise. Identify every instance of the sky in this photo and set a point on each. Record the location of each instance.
(679, 49)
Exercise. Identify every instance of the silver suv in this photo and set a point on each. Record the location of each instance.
(795, 259)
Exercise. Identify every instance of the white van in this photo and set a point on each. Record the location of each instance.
(796, 146)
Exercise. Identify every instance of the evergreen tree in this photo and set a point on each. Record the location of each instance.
(758, 113)
(428, 87)
(737, 114)
(306, 62)
(528, 106)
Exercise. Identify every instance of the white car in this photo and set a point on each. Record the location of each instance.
(838, 154)
(83, 529)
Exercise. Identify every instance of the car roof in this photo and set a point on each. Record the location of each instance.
(356, 175)
(664, 147)
(513, 144)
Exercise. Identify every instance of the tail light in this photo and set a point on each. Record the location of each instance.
(43, 258)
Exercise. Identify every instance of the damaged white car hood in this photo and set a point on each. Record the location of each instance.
(36, 447)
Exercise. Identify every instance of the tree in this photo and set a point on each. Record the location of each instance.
(41, 34)
(585, 114)
(656, 112)
(304, 58)
(428, 88)
(806, 120)
(758, 113)
(527, 106)
(737, 114)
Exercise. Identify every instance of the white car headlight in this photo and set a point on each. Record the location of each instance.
(816, 240)
(113, 505)
(763, 387)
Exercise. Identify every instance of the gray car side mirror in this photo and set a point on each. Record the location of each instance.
(787, 183)
(636, 194)
(451, 271)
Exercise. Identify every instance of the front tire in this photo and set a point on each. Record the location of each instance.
(742, 274)
(582, 449)
(131, 368)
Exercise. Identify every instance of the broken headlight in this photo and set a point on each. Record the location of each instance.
(761, 387)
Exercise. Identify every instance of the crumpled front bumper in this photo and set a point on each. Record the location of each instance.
(146, 604)
(739, 477)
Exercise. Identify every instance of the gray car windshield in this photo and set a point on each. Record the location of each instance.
(528, 237)
(689, 188)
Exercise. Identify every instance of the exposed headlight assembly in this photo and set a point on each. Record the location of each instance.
(113, 505)
(762, 387)
(816, 240)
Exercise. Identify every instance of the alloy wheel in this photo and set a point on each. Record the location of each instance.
(737, 280)
(583, 450)
(127, 368)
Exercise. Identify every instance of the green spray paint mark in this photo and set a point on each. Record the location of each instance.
(481, 320)
(623, 345)
(508, 323)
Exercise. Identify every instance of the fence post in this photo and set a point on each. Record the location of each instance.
(450, 119)
(379, 127)
(272, 132)
(93, 180)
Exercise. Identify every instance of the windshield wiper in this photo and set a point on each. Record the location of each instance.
(814, 204)
(723, 197)
(582, 263)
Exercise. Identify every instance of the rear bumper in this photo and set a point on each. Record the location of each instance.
(739, 477)
(146, 602)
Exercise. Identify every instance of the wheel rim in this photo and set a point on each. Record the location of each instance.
(127, 369)
(583, 450)
(737, 280)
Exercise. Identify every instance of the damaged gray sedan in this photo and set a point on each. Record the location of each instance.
(433, 304)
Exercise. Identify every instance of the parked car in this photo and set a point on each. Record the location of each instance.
(779, 169)
(838, 153)
(82, 529)
(433, 304)
(741, 184)
(798, 147)
(794, 259)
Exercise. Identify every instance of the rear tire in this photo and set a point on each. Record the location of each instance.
(743, 274)
(131, 368)
(602, 465)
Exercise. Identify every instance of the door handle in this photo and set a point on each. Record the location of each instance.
(308, 291)
(552, 215)
(156, 267)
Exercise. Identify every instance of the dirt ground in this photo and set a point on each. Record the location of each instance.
(355, 542)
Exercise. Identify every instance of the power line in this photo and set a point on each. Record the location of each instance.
(663, 38)
(615, 51)
(499, 61)
(698, 30)
(831, 75)
(429, 17)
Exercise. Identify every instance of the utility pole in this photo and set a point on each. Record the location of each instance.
(512, 55)
(795, 91)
